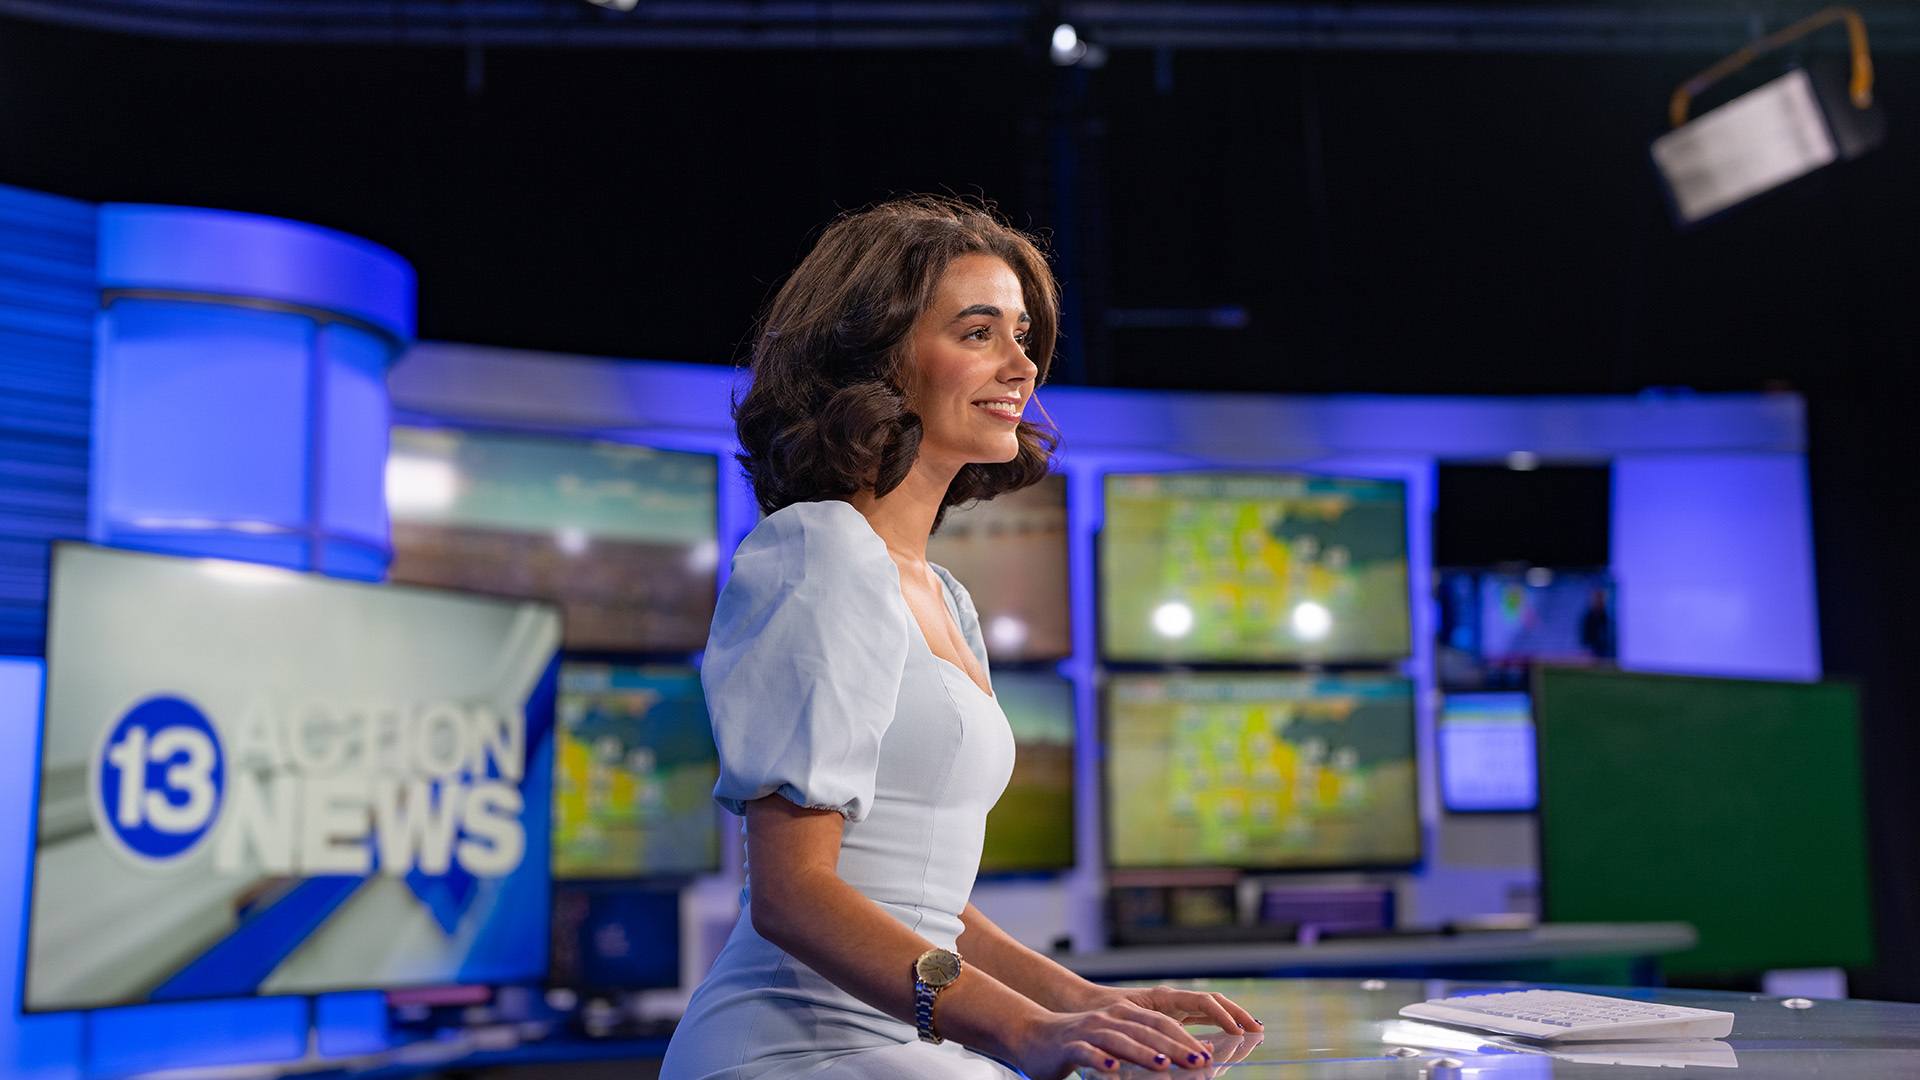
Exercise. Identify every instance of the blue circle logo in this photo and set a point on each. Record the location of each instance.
(158, 780)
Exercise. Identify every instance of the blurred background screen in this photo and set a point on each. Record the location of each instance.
(623, 537)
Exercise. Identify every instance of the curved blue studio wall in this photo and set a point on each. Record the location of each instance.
(240, 389)
(234, 368)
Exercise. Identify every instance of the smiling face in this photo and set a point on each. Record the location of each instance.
(969, 348)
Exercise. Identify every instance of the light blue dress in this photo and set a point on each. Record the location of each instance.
(823, 689)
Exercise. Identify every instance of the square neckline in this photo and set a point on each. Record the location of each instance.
(951, 605)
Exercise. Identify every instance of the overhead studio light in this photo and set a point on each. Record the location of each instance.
(1771, 135)
(1069, 49)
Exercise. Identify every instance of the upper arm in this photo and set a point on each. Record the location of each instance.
(788, 846)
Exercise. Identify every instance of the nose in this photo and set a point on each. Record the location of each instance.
(1020, 366)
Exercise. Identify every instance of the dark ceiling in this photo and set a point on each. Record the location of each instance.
(1395, 221)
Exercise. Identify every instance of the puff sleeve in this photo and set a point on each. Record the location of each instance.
(804, 661)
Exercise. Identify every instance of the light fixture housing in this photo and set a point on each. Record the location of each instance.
(1793, 124)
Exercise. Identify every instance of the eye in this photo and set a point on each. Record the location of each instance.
(979, 333)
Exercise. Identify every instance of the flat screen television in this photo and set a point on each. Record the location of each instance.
(1253, 568)
(1735, 805)
(1487, 754)
(257, 781)
(611, 937)
(624, 538)
(1011, 554)
(1496, 625)
(1260, 772)
(634, 769)
(1031, 828)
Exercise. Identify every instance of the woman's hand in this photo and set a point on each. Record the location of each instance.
(1184, 1006)
(1118, 1032)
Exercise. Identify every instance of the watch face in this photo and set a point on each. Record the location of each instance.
(937, 967)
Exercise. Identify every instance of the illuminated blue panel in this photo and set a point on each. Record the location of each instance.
(203, 414)
(353, 500)
(31, 1047)
(47, 307)
(220, 252)
(1714, 556)
(352, 1023)
(200, 1034)
(242, 413)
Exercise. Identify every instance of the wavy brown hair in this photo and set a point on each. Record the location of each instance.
(826, 414)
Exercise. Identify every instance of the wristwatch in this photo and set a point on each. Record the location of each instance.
(933, 972)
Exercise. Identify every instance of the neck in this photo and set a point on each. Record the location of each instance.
(903, 518)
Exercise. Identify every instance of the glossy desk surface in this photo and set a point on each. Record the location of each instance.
(1352, 1028)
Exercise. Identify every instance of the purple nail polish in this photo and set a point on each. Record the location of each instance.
(1109, 1063)
(1159, 1059)
(1193, 1059)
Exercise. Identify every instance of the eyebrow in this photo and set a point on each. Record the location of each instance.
(989, 311)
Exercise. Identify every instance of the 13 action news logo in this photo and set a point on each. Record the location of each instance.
(319, 788)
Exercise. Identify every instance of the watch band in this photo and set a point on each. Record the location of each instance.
(923, 996)
(933, 971)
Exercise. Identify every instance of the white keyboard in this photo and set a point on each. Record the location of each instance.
(1566, 1016)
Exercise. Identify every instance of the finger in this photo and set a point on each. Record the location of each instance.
(1187, 1053)
(1087, 1055)
(1119, 1040)
(1242, 1047)
(1209, 1010)
(1243, 1016)
(1184, 1041)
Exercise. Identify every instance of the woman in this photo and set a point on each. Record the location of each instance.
(847, 680)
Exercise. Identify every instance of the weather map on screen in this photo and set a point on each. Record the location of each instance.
(1253, 568)
(1263, 772)
(634, 771)
(1031, 827)
(623, 537)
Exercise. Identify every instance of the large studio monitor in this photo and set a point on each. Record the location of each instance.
(1246, 568)
(1731, 804)
(1260, 772)
(1011, 554)
(623, 537)
(256, 781)
(634, 769)
(1031, 828)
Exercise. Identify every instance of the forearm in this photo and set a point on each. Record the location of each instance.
(985, 945)
(832, 928)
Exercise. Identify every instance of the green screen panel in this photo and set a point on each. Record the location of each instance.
(1731, 804)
